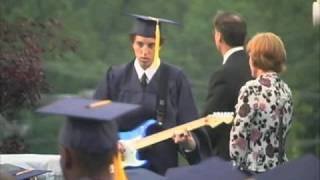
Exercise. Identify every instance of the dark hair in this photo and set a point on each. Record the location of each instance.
(94, 163)
(133, 36)
(232, 27)
(92, 143)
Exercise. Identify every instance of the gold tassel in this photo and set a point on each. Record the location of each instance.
(118, 171)
(156, 59)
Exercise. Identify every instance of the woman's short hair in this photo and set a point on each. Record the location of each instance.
(267, 52)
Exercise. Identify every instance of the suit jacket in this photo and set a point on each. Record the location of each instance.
(122, 84)
(224, 86)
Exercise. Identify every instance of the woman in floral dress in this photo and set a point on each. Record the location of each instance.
(264, 108)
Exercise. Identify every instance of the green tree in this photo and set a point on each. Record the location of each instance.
(100, 30)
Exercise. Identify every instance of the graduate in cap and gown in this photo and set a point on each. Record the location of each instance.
(162, 89)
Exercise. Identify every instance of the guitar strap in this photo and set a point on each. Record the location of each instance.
(161, 109)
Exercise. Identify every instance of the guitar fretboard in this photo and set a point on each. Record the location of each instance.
(166, 134)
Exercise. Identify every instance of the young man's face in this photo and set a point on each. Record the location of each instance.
(144, 50)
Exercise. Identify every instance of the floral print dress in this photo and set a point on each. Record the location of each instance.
(254, 139)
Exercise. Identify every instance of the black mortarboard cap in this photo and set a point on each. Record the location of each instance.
(211, 169)
(146, 25)
(306, 167)
(20, 173)
(141, 173)
(89, 109)
(90, 126)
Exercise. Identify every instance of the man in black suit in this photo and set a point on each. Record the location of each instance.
(229, 35)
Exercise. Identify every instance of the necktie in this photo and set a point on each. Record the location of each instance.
(144, 80)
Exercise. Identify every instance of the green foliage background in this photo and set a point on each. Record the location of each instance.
(100, 29)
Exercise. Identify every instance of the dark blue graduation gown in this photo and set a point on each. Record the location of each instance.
(122, 84)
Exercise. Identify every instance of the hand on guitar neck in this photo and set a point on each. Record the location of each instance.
(130, 142)
(185, 140)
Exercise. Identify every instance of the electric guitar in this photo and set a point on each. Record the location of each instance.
(138, 139)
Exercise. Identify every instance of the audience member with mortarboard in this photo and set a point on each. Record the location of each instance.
(162, 89)
(89, 137)
(12, 172)
(214, 168)
(305, 167)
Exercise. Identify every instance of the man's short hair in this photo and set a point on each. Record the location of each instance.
(93, 163)
(232, 27)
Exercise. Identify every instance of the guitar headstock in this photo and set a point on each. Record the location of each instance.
(217, 118)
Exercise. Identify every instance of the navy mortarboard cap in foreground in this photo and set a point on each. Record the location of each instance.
(89, 109)
(90, 126)
(306, 167)
(141, 173)
(146, 25)
(210, 169)
(19, 173)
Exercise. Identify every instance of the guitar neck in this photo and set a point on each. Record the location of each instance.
(166, 134)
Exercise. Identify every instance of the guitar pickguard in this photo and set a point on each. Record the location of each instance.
(131, 155)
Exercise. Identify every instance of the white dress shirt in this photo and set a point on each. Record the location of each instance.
(149, 71)
(231, 51)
